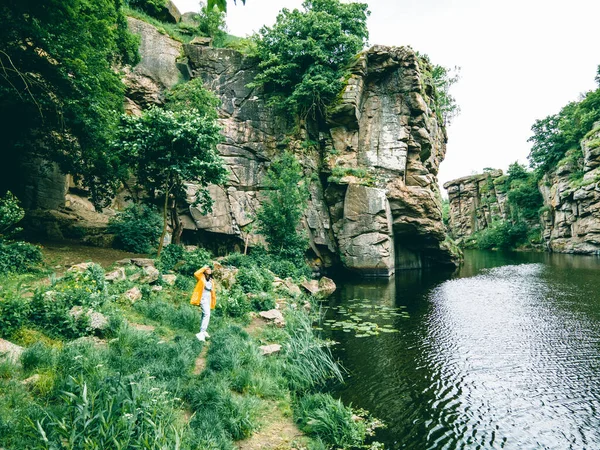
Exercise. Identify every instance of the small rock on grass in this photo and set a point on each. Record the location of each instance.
(271, 349)
(273, 315)
(81, 267)
(116, 275)
(133, 294)
(10, 350)
(98, 321)
(169, 279)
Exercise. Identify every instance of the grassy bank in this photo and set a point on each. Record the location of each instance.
(143, 380)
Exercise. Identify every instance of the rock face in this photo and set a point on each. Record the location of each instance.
(572, 220)
(374, 204)
(475, 202)
(380, 208)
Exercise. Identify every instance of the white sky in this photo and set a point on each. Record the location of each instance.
(520, 60)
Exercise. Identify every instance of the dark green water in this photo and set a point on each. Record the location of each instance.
(504, 353)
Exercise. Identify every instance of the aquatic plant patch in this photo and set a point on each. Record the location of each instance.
(364, 319)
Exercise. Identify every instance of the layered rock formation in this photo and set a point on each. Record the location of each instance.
(572, 220)
(475, 202)
(372, 169)
(380, 152)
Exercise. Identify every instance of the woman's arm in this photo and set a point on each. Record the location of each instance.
(199, 272)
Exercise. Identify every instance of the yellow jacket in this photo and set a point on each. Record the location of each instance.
(199, 289)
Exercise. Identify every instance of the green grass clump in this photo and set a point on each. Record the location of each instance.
(322, 416)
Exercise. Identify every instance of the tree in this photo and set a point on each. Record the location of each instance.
(556, 134)
(442, 80)
(280, 214)
(220, 4)
(303, 57)
(59, 93)
(168, 148)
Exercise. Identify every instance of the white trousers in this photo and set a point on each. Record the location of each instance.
(205, 305)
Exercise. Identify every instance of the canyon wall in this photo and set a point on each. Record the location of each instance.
(571, 219)
(374, 205)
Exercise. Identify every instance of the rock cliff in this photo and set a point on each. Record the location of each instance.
(572, 217)
(372, 168)
(475, 202)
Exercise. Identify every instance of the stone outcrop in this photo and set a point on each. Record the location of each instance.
(374, 203)
(380, 153)
(572, 217)
(475, 202)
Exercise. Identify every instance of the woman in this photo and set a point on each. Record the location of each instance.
(204, 295)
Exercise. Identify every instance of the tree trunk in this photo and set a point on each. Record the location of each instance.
(164, 231)
(177, 225)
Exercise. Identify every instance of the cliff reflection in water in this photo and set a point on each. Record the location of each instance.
(503, 354)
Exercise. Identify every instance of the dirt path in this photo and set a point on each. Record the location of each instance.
(278, 432)
(200, 363)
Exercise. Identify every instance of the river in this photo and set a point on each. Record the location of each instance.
(503, 353)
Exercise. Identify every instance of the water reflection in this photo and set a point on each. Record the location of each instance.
(505, 354)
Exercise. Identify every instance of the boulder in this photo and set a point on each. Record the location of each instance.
(98, 321)
(149, 274)
(116, 275)
(10, 351)
(156, 288)
(201, 40)
(268, 350)
(290, 287)
(133, 294)
(169, 279)
(32, 380)
(311, 286)
(81, 267)
(142, 262)
(326, 287)
(274, 316)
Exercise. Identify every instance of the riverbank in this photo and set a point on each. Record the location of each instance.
(108, 355)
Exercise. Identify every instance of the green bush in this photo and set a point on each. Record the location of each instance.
(119, 413)
(171, 255)
(19, 257)
(136, 229)
(502, 235)
(14, 312)
(254, 280)
(263, 301)
(194, 260)
(50, 306)
(321, 416)
(153, 8)
(10, 214)
(38, 356)
(233, 303)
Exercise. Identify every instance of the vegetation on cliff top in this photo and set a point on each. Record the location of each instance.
(303, 57)
(555, 135)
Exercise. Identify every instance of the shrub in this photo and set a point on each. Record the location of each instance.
(50, 306)
(136, 229)
(194, 260)
(264, 301)
(169, 257)
(233, 303)
(254, 280)
(19, 257)
(120, 413)
(10, 214)
(321, 416)
(38, 356)
(502, 235)
(14, 312)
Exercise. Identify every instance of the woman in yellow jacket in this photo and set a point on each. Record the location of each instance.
(204, 295)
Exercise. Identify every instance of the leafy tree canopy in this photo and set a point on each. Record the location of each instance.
(166, 149)
(280, 214)
(556, 134)
(220, 4)
(59, 93)
(304, 55)
(442, 79)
